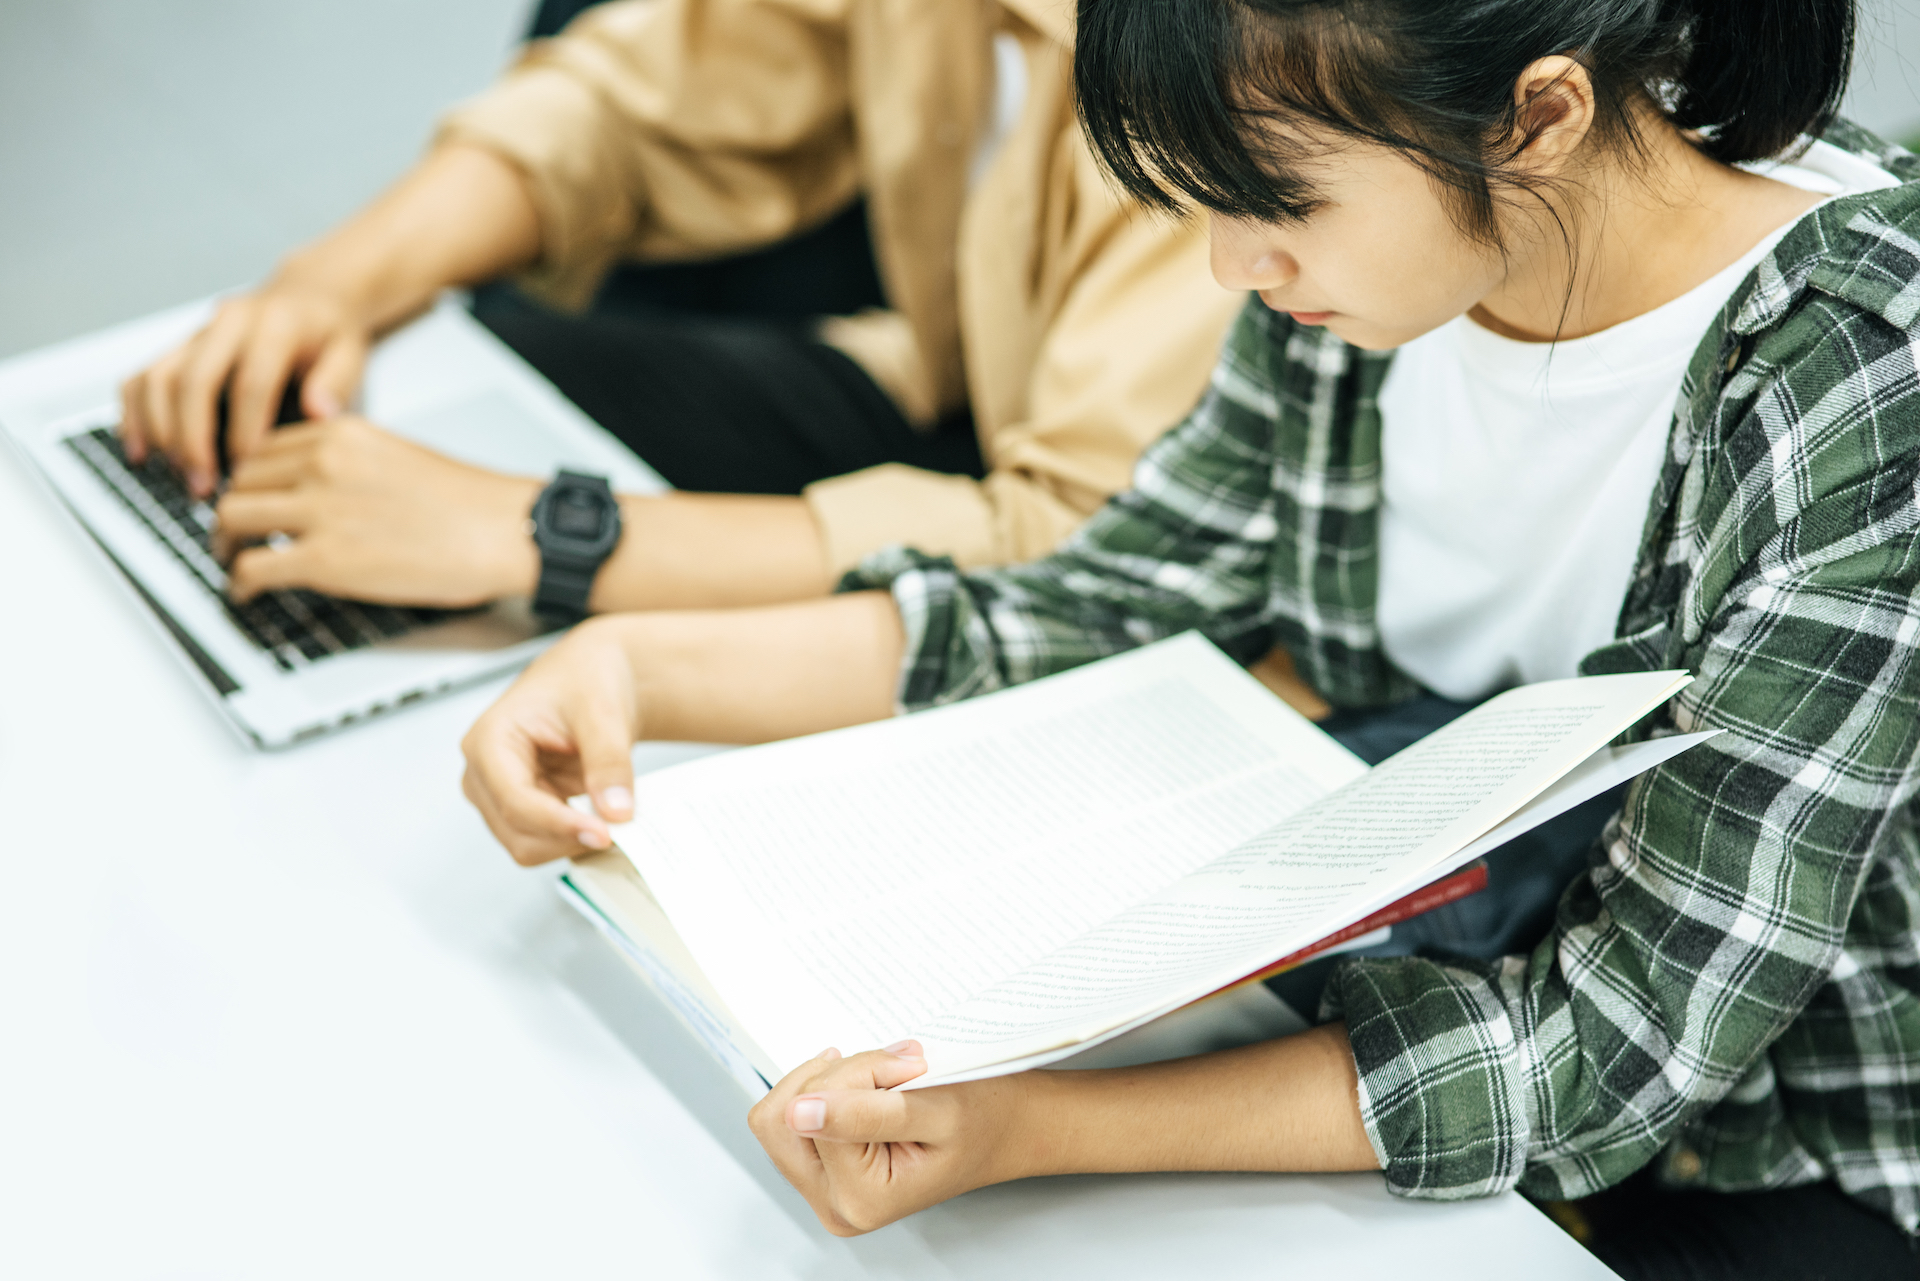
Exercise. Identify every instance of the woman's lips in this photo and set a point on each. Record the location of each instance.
(1311, 317)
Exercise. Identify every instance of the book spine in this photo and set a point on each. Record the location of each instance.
(686, 1004)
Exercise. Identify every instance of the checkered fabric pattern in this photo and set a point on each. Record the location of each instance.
(1734, 987)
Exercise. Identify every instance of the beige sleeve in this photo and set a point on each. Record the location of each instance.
(1126, 358)
(672, 129)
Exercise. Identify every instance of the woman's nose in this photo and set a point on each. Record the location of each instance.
(1243, 259)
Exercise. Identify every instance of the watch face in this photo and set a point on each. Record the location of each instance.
(577, 515)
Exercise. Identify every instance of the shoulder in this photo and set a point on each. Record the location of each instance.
(1816, 421)
(1831, 317)
(1859, 253)
(1805, 418)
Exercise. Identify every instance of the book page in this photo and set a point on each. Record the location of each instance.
(1328, 865)
(845, 888)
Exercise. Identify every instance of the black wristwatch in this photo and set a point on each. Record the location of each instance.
(576, 526)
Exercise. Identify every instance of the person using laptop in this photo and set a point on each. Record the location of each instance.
(1572, 354)
(1033, 329)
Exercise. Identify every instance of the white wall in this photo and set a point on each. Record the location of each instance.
(155, 150)
(1885, 95)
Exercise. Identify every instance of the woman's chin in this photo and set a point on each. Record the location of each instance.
(1369, 336)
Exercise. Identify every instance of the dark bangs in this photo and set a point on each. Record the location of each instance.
(1223, 102)
(1204, 99)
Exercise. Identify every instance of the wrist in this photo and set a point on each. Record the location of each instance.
(511, 560)
(1037, 1137)
(370, 294)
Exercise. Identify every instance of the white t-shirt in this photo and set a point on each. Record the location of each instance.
(1516, 476)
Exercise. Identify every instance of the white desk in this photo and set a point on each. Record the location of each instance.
(297, 1016)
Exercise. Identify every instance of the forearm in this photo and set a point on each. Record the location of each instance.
(712, 551)
(1286, 1105)
(461, 216)
(679, 551)
(754, 675)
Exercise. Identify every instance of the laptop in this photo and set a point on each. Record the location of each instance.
(292, 665)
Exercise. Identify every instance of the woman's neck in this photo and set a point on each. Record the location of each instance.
(1643, 233)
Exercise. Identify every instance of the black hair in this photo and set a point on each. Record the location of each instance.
(1218, 100)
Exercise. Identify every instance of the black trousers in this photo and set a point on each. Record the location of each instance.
(1814, 1233)
(711, 371)
(729, 405)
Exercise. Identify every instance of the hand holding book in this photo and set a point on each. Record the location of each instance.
(864, 1151)
(568, 723)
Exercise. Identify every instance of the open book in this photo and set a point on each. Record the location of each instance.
(1019, 877)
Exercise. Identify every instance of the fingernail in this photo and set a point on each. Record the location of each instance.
(325, 406)
(828, 1053)
(616, 800)
(809, 1115)
(908, 1049)
(201, 481)
(594, 840)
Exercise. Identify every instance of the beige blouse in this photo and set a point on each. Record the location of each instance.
(1077, 326)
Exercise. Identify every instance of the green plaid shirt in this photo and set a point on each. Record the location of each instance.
(1734, 987)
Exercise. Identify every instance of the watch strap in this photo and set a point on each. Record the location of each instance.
(564, 589)
(566, 577)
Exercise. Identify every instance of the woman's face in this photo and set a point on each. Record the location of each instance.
(1379, 263)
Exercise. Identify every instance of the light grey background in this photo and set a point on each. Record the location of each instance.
(152, 151)
(1885, 95)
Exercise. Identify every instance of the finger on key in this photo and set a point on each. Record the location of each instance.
(133, 417)
(197, 396)
(158, 390)
(280, 564)
(259, 380)
(328, 388)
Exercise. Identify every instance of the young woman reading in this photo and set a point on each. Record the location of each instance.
(1543, 378)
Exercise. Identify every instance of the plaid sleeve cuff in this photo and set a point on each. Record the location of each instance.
(1441, 1082)
(951, 651)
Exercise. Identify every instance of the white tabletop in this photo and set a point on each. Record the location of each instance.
(296, 1015)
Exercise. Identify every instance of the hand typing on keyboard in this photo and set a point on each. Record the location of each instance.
(244, 360)
(462, 215)
(368, 515)
(293, 626)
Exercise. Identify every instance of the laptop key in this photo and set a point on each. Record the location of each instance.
(291, 627)
(388, 621)
(355, 617)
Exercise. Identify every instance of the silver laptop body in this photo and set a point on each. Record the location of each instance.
(301, 665)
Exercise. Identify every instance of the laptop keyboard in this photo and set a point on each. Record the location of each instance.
(293, 627)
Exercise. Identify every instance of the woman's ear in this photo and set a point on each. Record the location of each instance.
(1553, 114)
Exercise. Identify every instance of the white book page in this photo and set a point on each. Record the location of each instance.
(845, 888)
(1606, 768)
(1350, 853)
